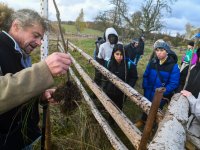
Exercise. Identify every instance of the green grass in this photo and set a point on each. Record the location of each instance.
(88, 31)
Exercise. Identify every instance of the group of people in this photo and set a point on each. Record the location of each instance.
(113, 55)
(191, 60)
(135, 50)
(161, 71)
(24, 86)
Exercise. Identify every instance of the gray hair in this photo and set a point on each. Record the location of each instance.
(27, 18)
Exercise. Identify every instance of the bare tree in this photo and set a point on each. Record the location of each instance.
(152, 14)
(114, 16)
(120, 7)
(146, 20)
(102, 21)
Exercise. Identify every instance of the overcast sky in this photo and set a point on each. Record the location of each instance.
(183, 11)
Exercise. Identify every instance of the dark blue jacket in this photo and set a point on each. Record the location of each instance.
(130, 51)
(170, 73)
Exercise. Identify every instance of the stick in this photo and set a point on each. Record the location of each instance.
(44, 126)
(151, 118)
(59, 25)
(62, 37)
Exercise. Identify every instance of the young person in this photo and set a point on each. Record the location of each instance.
(193, 84)
(161, 71)
(131, 51)
(125, 70)
(105, 51)
(190, 54)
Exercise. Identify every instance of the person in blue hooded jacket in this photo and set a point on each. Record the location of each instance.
(161, 71)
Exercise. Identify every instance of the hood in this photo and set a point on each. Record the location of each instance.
(110, 30)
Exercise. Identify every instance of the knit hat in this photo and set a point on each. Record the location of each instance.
(135, 40)
(191, 43)
(161, 44)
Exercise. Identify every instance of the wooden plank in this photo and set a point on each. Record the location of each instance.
(112, 137)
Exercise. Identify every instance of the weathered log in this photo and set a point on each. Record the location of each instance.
(133, 133)
(171, 133)
(194, 140)
(112, 137)
(69, 46)
(179, 108)
(136, 97)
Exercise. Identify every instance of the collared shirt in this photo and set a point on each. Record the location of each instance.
(25, 59)
(162, 61)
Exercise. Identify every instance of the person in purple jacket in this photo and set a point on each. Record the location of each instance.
(190, 54)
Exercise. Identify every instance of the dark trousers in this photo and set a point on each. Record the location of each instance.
(97, 77)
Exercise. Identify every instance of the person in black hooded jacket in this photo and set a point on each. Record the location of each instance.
(125, 70)
(131, 51)
(193, 84)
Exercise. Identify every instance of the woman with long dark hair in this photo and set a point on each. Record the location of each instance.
(124, 70)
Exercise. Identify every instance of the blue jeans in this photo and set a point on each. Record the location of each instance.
(137, 58)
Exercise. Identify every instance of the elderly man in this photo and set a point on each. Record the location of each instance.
(20, 82)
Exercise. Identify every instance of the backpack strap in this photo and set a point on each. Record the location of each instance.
(160, 77)
(107, 63)
(129, 65)
(130, 61)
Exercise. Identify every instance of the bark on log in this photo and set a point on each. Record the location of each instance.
(136, 97)
(133, 133)
(112, 137)
(171, 134)
(194, 140)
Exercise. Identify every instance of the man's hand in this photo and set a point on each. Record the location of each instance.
(48, 96)
(58, 63)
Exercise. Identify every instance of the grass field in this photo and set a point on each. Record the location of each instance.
(72, 29)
